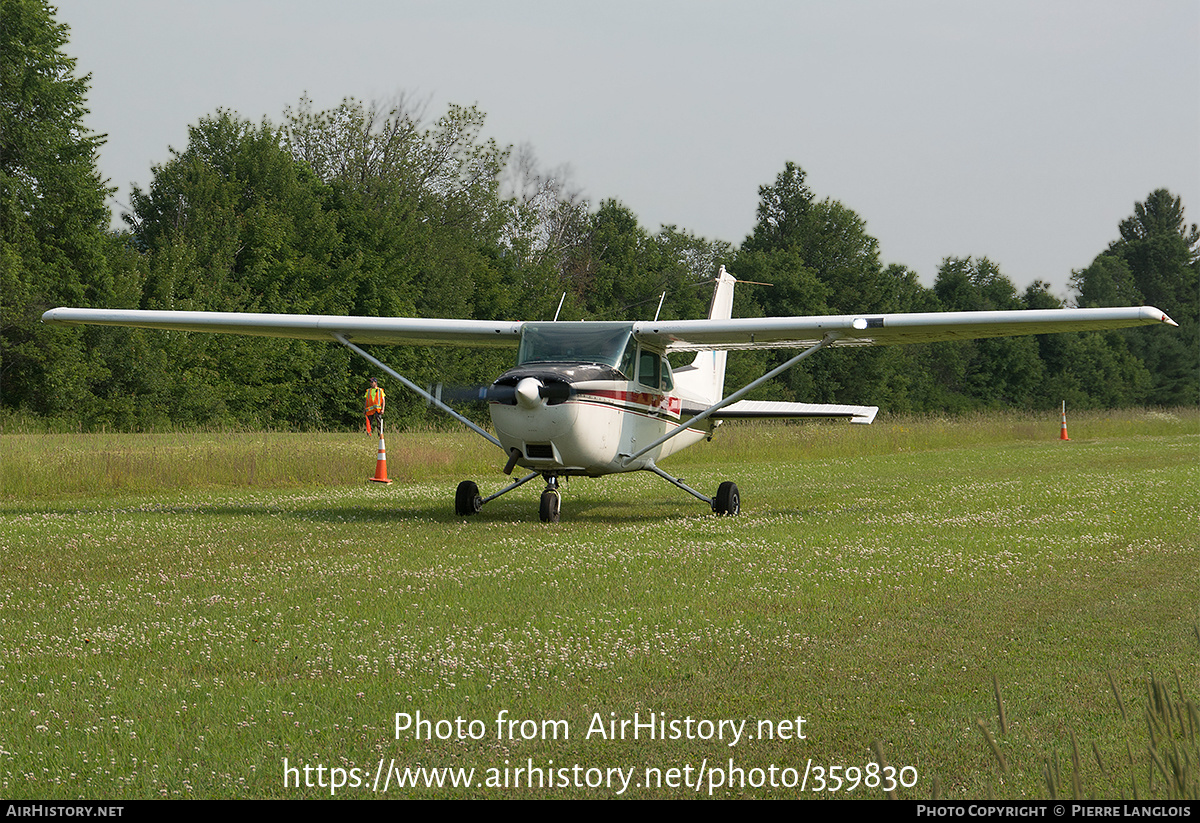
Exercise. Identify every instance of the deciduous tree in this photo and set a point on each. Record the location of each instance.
(1155, 261)
(235, 223)
(53, 217)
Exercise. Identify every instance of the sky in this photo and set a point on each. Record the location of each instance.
(1021, 131)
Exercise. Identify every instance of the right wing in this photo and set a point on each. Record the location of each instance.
(382, 330)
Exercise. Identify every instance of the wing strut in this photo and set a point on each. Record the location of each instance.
(733, 398)
(411, 385)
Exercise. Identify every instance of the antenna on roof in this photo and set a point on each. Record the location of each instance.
(660, 302)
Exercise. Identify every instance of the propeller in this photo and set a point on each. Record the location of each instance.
(553, 391)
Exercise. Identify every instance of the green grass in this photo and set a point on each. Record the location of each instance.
(180, 613)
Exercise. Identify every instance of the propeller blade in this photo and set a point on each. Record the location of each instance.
(556, 392)
(478, 393)
(501, 394)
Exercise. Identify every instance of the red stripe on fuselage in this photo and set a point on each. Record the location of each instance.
(647, 400)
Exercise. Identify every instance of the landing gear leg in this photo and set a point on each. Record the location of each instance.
(727, 500)
(551, 501)
(467, 500)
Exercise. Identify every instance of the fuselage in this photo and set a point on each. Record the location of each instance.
(589, 420)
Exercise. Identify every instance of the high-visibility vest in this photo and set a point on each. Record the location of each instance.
(375, 400)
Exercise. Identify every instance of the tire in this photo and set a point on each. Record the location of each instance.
(466, 499)
(728, 500)
(548, 509)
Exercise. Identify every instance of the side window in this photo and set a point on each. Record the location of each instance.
(648, 363)
(668, 381)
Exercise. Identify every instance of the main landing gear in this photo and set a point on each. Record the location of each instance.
(727, 501)
(467, 500)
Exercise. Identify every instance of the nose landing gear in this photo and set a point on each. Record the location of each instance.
(551, 501)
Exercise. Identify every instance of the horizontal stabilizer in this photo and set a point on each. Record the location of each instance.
(767, 408)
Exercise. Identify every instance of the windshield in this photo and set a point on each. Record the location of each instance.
(573, 342)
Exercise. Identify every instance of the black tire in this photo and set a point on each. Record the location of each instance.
(727, 501)
(466, 499)
(549, 506)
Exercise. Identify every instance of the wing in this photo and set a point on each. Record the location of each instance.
(385, 330)
(675, 335)
(884, 329)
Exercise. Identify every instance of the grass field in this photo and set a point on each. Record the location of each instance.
(230, 615)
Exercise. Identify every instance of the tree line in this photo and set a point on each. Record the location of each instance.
(368, 209)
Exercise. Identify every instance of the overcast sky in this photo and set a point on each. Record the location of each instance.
(1017, 130)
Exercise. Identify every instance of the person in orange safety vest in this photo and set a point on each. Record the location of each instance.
(375, 402)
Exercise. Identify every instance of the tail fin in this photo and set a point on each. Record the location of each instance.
(705, 376)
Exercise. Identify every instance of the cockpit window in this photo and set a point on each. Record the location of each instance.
(628, 359)
(566, 342)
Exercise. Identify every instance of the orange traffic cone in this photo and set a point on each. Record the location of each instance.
(380, 465)
(1063, 436)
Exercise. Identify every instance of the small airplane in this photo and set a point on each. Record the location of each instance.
(590, 398)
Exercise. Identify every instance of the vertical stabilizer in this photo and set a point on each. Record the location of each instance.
(705, 376)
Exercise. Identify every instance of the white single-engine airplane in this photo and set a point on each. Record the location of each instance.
(596, 398)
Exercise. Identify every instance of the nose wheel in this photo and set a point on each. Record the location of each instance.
(551, 502)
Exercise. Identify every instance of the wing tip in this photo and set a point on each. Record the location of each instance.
(1157, 316)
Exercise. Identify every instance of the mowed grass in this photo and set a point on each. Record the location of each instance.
(180, 613)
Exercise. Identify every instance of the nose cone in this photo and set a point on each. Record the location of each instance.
(529, 393)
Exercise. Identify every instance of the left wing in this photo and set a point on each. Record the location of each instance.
(884, 329)
(386, 330)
